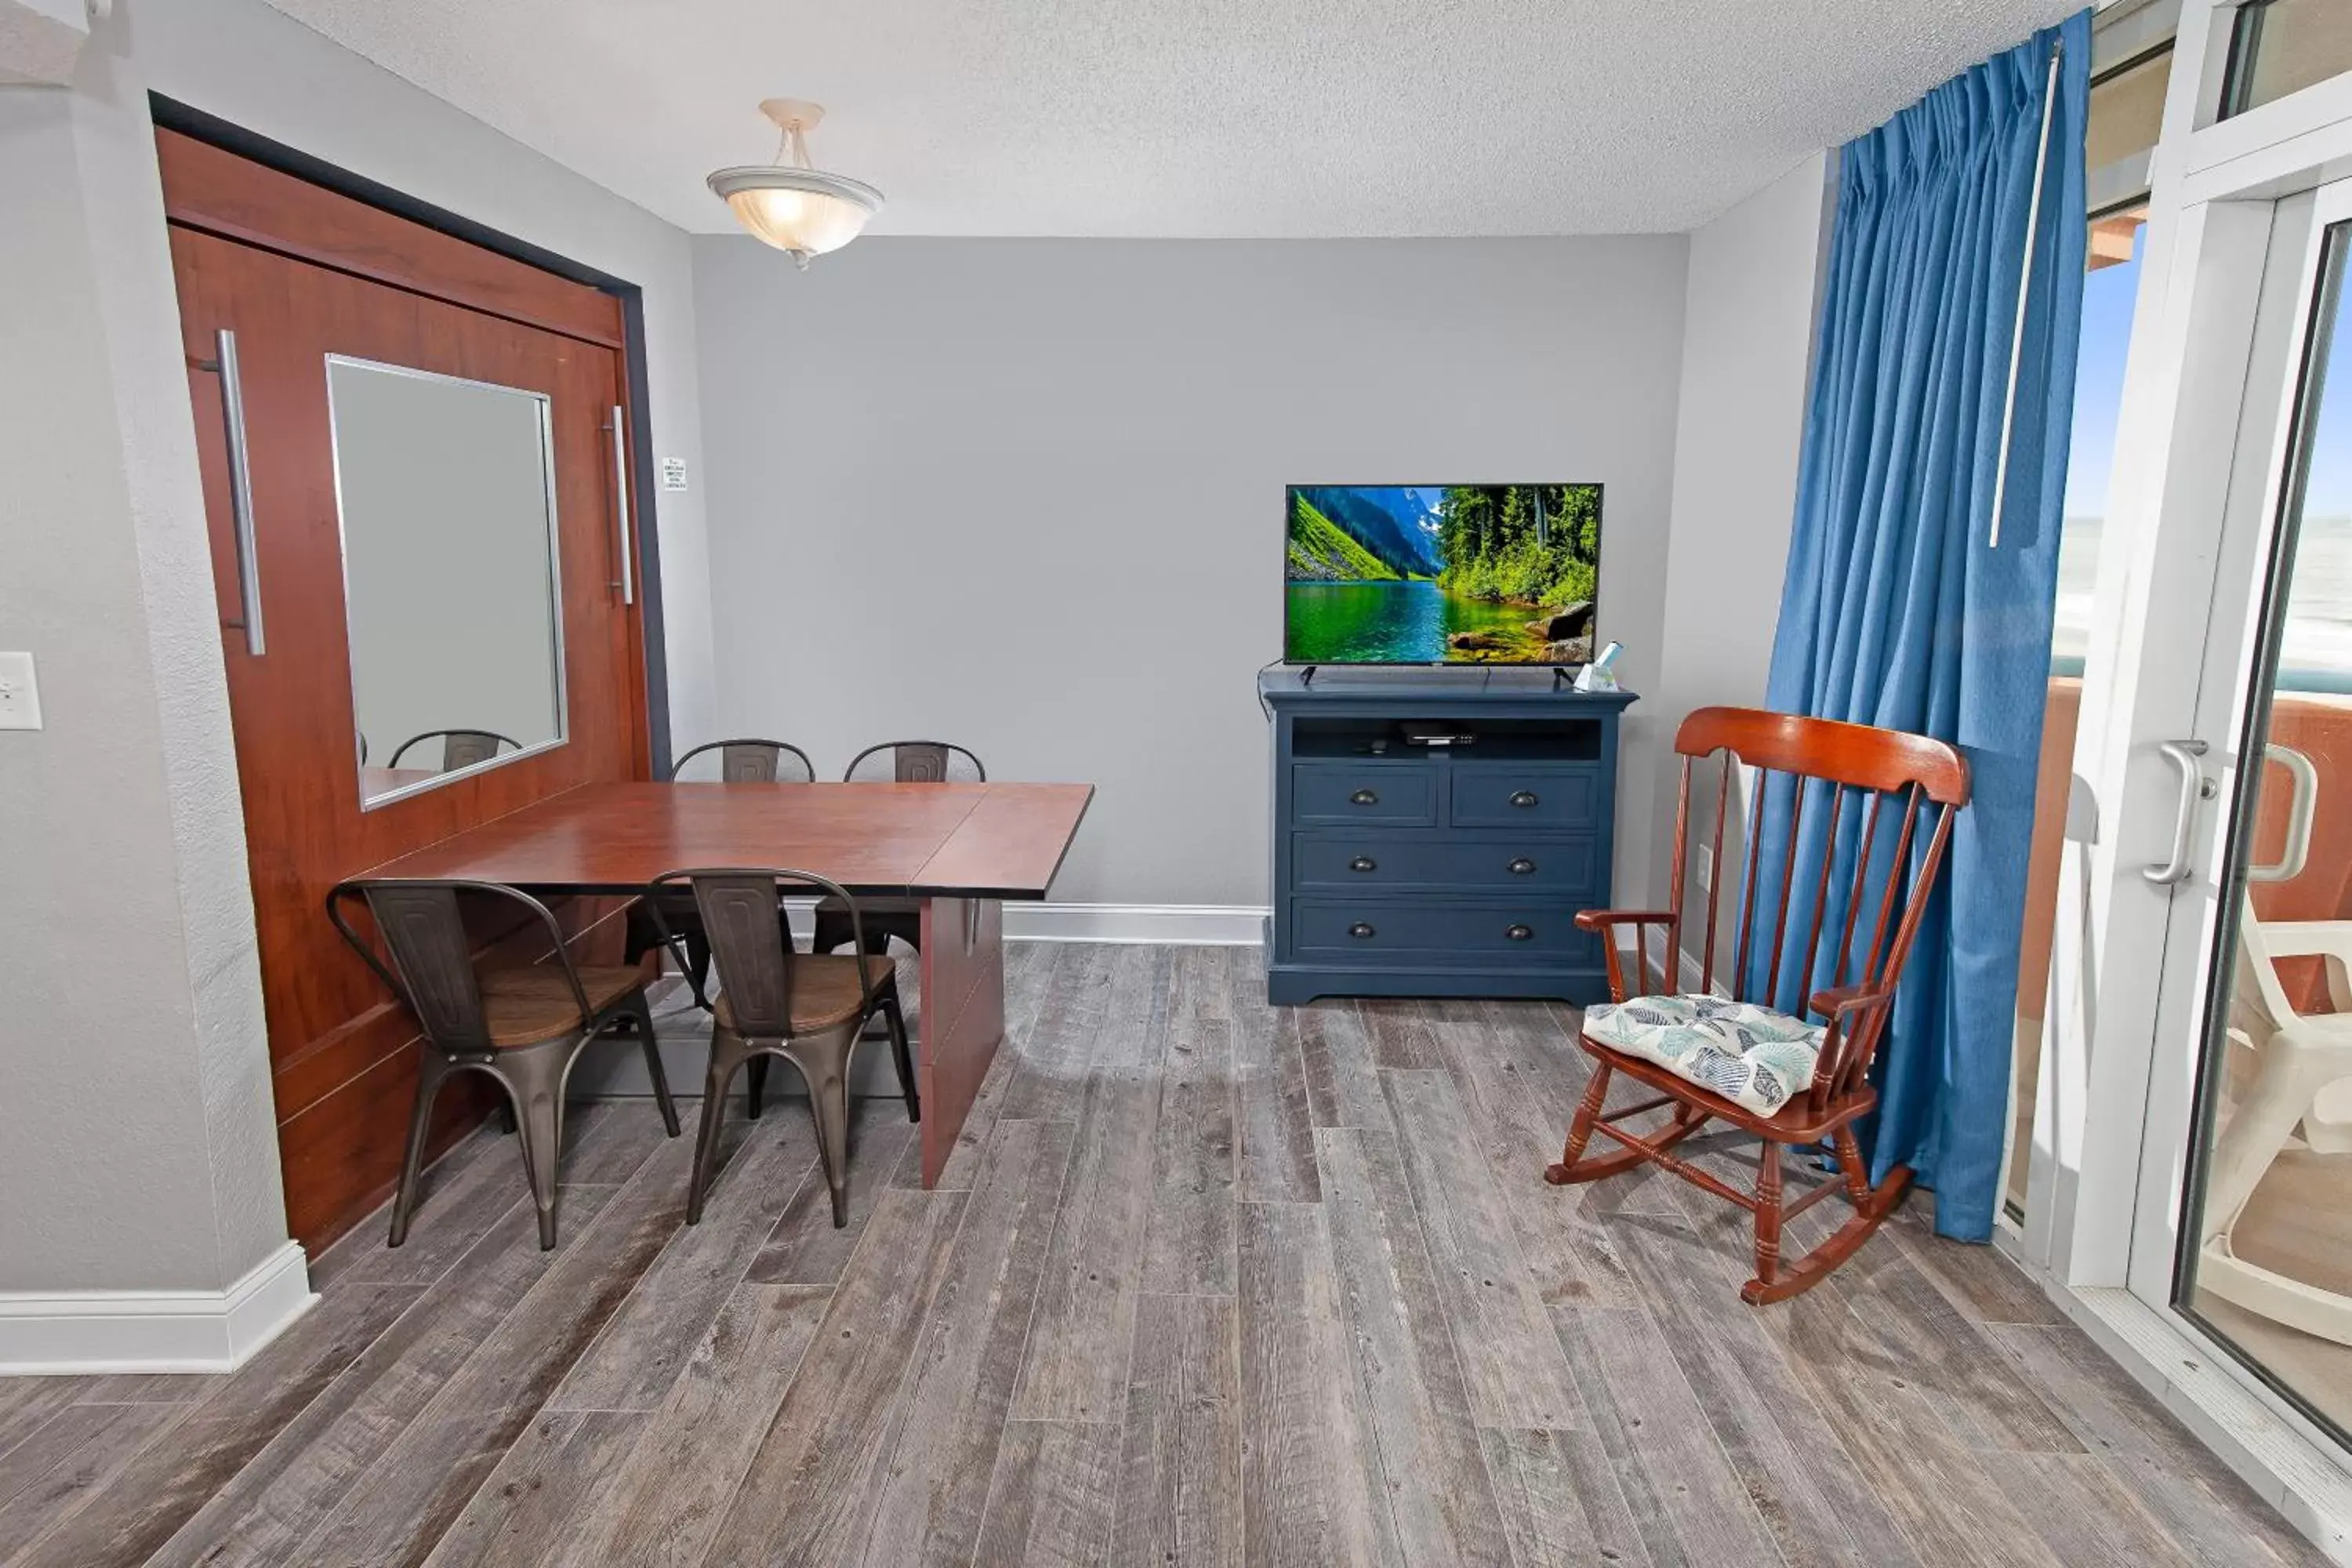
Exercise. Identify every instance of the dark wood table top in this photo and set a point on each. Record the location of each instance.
(921, 840)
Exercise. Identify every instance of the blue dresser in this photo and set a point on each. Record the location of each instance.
(1400, 870)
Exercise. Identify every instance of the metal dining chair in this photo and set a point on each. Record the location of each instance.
(459, 748)
(749, 760)
(808, 1008)
(523, 1025)
(896, 761)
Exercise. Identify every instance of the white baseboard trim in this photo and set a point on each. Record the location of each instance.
(1185, 925)
(154, 1331)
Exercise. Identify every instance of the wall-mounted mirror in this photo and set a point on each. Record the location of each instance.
(446, 494)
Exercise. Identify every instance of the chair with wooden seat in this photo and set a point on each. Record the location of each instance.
(747, 760)
(1727, 1053)
(459, 748)
(808, 1008)
(523, 1025)
(896, 761)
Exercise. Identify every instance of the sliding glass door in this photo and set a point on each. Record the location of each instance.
(2243, 1219)
(2261, 1244)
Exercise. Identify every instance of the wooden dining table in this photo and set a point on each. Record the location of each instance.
(963, 849)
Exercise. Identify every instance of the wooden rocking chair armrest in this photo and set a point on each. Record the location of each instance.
(1601, 920)
(1839, 1003)
(1848, 1008)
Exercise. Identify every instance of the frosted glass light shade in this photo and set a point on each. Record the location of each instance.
(804, 211)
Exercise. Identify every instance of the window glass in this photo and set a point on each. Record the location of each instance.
(2126, 108)
(2109, 293)
(2279, 47)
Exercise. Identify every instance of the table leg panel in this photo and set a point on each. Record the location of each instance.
(963, 1015)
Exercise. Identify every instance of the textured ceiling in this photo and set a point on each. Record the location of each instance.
(1208, 117)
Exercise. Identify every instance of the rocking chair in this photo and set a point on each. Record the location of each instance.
(1724, 1054)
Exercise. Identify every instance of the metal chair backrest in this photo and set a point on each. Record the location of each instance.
(423, 927)
(1836, 783)
(753, 761)
(459, 748)
(742, 910)
(915, 762)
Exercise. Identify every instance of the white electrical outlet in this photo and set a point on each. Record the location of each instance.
(1703, 865)
(20, 697)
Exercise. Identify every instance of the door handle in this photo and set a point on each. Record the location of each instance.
(2194, 787)
(1364, 797)
(1363, 863)
(2300, 807)
(1520, 933)
(1524, 797)
(240, 491)
(1522, 867)
(627, 583)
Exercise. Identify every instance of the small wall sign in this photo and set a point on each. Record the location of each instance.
(673, 473)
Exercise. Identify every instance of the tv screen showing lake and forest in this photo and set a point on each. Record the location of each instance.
(1440, 574)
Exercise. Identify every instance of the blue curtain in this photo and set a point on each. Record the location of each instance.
(1896, 610)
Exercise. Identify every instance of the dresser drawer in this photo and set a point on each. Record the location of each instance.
(1521, 932)
(1525, 795)
(1395, 792)
(1436, 860)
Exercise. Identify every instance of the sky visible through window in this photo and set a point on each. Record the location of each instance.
(2109, 295)
(2317, 651)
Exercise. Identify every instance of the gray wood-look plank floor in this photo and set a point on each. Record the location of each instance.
(1205, 1282)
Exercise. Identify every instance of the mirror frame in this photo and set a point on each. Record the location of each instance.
(554, 539)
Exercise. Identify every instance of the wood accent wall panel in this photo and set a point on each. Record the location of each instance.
(310, 273)
(211, 189)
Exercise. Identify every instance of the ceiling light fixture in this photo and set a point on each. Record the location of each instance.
(790, 205)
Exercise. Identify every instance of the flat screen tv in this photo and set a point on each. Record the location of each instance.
(1440, 574)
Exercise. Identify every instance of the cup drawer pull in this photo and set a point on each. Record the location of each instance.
(1522, 867)
(1523, 797)
(1365, 797)
(1520, 933)
(1363, 863)
(1360, 929)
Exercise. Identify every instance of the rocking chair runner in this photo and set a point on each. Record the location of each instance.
(1827, 766)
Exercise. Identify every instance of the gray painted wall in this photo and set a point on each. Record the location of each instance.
(137, 1148)
(1755, 283)
(1026, 495)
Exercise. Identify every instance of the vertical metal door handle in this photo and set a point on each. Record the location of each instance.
(628, 581)
(2299, 810)
(2182, 755)
(240, 492)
